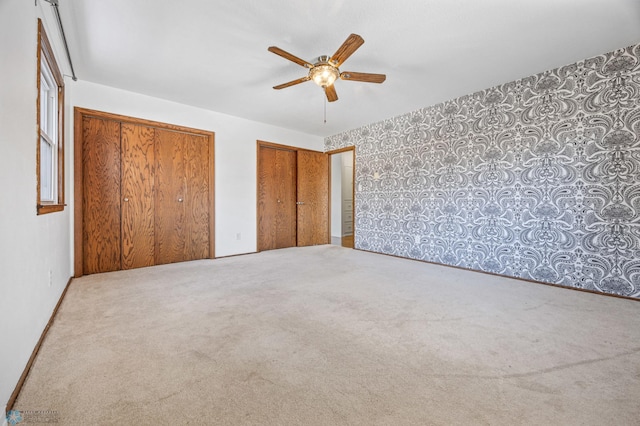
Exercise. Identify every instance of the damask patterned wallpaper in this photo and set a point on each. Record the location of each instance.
(538, 178)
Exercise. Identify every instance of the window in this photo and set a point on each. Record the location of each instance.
(50, 116)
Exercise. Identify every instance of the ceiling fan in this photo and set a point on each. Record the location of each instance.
(325, 69)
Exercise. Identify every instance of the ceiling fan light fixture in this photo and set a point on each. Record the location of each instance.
(324, 71)
(324, 75)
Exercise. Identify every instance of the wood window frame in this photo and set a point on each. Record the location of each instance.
(45, 52)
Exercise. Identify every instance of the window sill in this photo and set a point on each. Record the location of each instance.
(50, 208)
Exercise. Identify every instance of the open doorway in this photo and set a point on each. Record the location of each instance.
(342, 165)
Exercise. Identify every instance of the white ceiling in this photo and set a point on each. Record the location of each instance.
(213, 53)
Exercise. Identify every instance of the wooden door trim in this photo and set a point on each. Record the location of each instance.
(212, 199)
(141, 121)
(79, 115)
(284, 147)
(340, 150)
(353, 189)
(77, 193)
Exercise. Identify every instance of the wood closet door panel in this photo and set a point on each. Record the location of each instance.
(313, 192)
(138, 164)
(197, 195)
(267, 196)
(170, 213)
(101, 201)
(276, 198)
(286, 186)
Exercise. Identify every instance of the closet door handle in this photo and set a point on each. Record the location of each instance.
(126, 199)
(180, 200)
(299, 203)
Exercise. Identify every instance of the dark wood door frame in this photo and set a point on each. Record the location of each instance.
(353, 187)
(79, 114)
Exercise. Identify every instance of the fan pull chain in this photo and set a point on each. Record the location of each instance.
(325, 109)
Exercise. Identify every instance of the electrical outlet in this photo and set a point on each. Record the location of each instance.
(238, 236)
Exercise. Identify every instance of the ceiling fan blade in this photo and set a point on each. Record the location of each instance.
(289, 56)
(330, 91)
(292, 83)
(350, 45)
(363, 76)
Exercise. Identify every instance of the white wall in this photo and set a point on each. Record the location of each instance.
(31, 246)
(235, 152)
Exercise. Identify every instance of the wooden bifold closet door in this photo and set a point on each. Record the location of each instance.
(144, 193)
(137, 188)
(313, 198)
(182, 197)
(293, 197)
(276, 198)
(101, 201)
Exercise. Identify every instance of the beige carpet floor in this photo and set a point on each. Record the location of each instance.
(331, 336)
